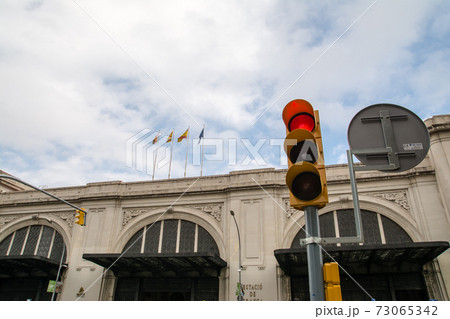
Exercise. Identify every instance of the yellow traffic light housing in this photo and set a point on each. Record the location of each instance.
(332, 282)
(306, 178)
(80, 217)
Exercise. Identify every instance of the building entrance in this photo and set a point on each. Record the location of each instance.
(29, 258)
(388, 265)
(23, 289)
(169, 260)
(381, 287)
(167, 289)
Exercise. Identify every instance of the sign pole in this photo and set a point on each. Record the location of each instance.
(314, 254)
(59, 271)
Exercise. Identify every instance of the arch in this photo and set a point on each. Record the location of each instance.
(32, 248)
(35, 220)
(34, 240)
(378, 229)
(393, 251)
(171, 236)
(167, 272)
(183, 213)
(377, 205)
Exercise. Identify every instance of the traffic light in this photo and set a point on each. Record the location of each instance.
(80, 217)
(332, 282)
(306, 177)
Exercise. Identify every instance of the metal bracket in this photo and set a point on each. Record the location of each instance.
(359, 238)
(390, 150)
(310, 240)
(375, 152)
(330, 240)
(342, 240)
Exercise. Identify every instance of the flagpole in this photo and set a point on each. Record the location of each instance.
(156, 156)
(171, 150)
(187, 148)
(154, 163)
(203, 144)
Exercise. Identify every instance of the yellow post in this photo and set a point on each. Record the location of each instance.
(332, 282)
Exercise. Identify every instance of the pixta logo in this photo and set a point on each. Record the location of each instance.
(144, 152)
(148, 151)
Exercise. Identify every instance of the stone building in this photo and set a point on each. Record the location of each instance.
(176, 240)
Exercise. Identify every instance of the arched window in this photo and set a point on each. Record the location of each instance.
(171, 259)
(172, 236)
(377, 229)
(388, 264)
(34, 240)
(29, 258)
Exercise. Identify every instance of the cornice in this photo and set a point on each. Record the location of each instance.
(220, 184)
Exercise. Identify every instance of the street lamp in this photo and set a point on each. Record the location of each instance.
(240, 297)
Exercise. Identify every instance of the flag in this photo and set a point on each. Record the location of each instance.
(155, 140)
(169, 139)
(201, 136)
(182, 137)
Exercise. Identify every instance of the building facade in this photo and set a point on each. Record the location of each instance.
(176, 240)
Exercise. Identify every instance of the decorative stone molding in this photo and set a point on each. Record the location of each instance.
(400, 198)
(69, 218)
(344, 199)
(215, 210)
(129, 214)
(5, 220)
(288, 209)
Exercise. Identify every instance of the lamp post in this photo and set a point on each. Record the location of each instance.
(240, 297)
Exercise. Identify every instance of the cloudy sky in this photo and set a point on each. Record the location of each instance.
(85, 85)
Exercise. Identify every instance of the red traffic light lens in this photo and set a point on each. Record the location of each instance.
(306, 186)
(299, 114)
(302, 121)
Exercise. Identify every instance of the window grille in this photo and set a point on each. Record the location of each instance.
(37, 240)
(376, 230)
(173, 236)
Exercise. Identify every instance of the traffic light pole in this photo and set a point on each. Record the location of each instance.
(42, 191)
(314, 254)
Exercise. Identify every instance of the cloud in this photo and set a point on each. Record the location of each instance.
(80, 78)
